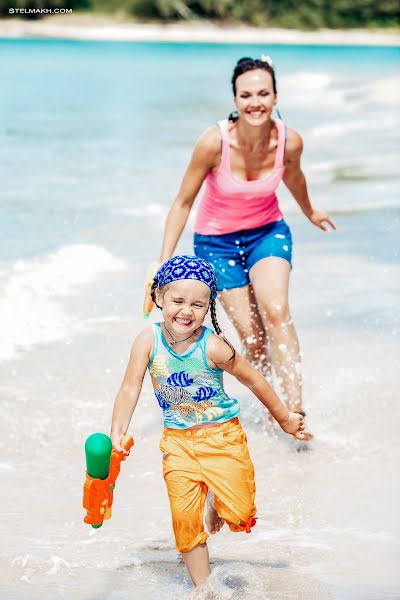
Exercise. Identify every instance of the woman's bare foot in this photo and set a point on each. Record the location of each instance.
(213, 521)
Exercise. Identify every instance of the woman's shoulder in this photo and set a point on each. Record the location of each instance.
(208, 146)
(293, 148)
(210, 139)
(294, 142)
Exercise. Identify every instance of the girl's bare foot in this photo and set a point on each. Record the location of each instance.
(213, 521)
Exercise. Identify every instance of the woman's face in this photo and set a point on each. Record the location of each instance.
(255, 97)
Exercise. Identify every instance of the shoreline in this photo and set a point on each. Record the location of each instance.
(95, 28)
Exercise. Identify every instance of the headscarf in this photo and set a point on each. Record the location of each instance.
(187, 267)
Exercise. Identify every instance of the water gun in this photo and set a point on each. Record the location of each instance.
(103, 465)
(148, 303)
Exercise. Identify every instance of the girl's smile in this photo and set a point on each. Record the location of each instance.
(183, 322)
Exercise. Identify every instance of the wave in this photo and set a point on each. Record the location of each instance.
(330, 90)
(31, 312)
(148, 210)
(336, 129)
(384, 91)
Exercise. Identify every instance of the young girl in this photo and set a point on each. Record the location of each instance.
(204, 446)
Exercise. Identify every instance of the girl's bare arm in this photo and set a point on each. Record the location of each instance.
(128, 394)
(219, 355)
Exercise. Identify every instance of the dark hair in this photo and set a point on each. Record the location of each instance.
(251, 64)
(154, 287)
(218, 330)
(213, 313)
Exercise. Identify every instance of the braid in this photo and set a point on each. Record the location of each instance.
(154, 287)
(218, 330)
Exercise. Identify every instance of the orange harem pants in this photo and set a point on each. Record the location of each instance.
(215, 458)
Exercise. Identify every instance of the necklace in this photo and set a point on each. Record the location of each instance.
(174, 341)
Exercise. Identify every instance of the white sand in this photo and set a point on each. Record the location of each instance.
(88, 27)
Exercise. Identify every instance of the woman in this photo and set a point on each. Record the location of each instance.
(239, 227)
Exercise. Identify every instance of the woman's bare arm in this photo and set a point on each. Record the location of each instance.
(205, 158)
(295, 181)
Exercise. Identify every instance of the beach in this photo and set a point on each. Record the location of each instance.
(95, 139)
(93, 27)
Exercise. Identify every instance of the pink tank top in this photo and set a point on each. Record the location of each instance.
(229, 204)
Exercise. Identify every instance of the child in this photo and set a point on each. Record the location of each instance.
(204, 446)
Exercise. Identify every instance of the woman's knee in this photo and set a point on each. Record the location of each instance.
(255, 344)
(275, 313)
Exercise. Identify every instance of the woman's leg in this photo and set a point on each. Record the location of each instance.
(240, 306)
(270, 280)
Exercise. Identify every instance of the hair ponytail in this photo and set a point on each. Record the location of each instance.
(234, 116)
(218, 329)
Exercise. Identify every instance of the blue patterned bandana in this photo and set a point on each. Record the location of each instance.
(187, 267)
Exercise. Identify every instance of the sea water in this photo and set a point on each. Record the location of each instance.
(95, 138)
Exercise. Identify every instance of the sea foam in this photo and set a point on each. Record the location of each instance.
(31, 310)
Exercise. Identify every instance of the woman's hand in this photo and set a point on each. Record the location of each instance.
(148, 303)
(319, 217)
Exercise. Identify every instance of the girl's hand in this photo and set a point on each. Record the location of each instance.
(294, 424)
(116, 439)
(319, 217)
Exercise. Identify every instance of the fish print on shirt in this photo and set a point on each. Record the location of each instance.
(176, 394)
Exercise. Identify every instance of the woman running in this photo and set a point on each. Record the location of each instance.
(239, 227)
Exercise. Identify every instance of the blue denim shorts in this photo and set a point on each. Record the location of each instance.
(233, 254)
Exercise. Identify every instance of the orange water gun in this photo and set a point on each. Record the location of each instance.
(103, 466)
(148, 303)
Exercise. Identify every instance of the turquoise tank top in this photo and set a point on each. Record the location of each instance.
(188, 390)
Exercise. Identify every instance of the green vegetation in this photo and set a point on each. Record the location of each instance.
(300, 14)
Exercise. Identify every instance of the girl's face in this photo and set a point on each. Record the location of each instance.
(184, 306)
(255, 97)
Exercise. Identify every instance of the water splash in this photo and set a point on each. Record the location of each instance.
(230, 581)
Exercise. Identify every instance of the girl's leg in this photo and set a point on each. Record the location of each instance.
(187, 493)
(240, 306)
(270, 280)
(197, 563)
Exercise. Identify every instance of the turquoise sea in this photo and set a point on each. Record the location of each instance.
(94, 139)
(92, 130)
